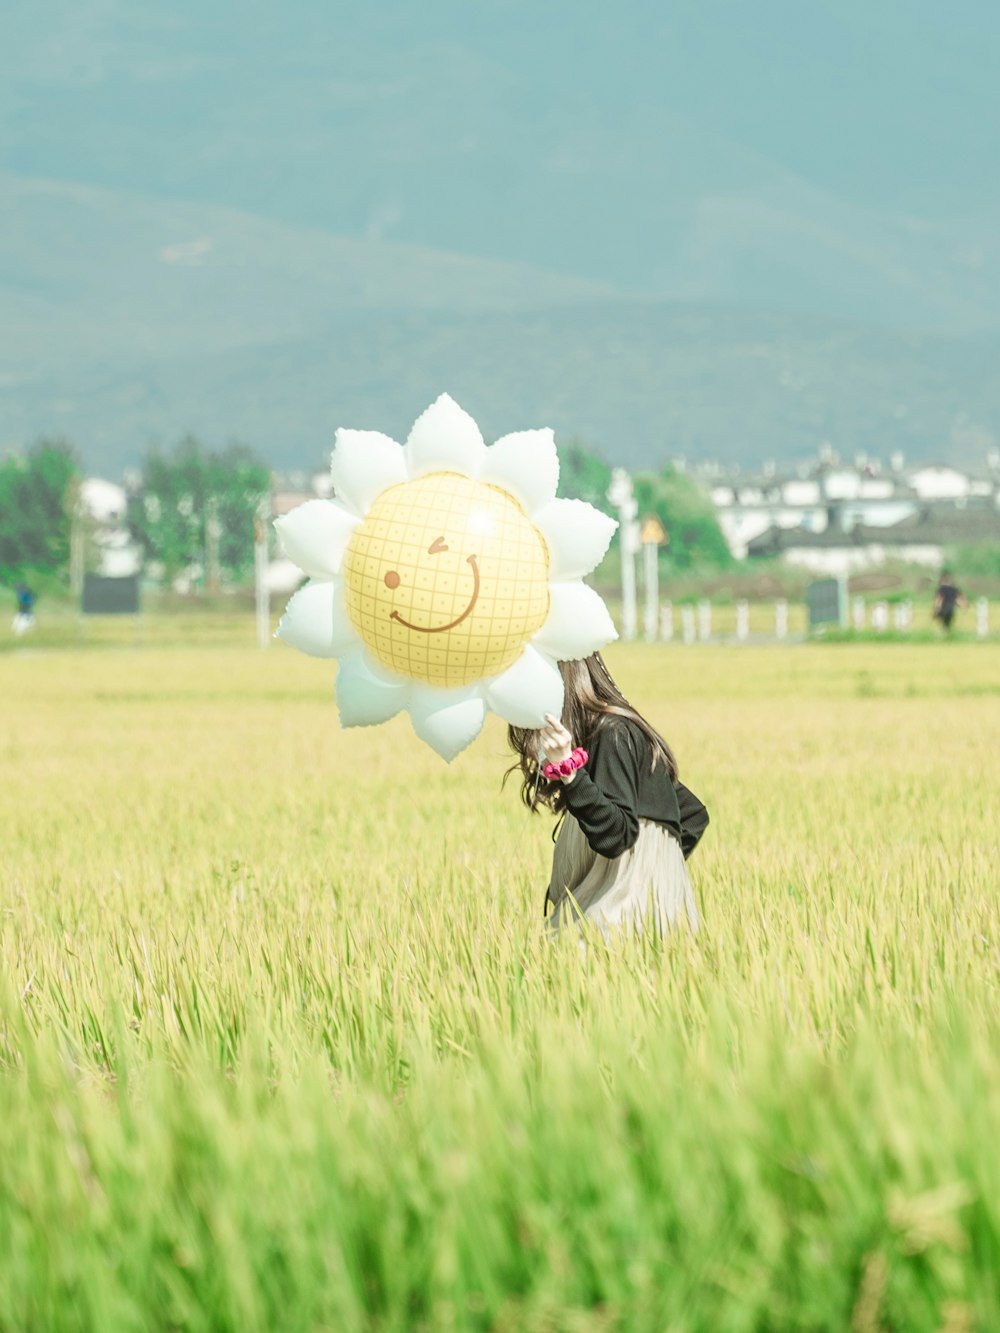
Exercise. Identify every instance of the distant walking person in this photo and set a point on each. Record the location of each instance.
(947, 599)
(24, 616)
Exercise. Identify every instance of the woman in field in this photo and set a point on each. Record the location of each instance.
(627, 824)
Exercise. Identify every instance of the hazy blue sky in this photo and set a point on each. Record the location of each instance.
(889, 104)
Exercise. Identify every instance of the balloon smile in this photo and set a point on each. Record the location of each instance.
(440, 629)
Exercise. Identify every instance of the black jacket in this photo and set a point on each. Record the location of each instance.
(617, 788)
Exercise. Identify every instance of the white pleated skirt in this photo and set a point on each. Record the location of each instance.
(646, 888)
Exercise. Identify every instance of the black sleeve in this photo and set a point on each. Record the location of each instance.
(694, 818)
(604, 795)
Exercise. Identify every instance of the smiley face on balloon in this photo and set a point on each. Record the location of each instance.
(446, 580)
(446, 577)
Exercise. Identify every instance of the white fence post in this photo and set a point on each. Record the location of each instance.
(687, 624)
(667, 622)
(781, 619)
(704, 620)
(742, 621)
(982, 617)
(880, 616)
(858, 613)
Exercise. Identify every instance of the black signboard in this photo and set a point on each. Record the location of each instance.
(827, 600)
(103, 596)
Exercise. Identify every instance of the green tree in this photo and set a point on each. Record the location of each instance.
(687, 514)
(186, 495)
(584, 475)
(980, 560)
(37, 493)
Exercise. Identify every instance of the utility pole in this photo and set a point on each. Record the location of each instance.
(652, 537)
(263, 600)
(212, 534)
(620, 495)
(76, 551)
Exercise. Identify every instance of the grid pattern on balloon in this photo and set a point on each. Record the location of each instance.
(438, 588)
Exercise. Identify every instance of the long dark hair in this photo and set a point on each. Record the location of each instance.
(591, 697)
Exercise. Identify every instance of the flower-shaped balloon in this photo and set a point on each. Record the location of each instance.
(446, 577)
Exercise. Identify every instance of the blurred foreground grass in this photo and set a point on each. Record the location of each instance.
(281, 1046)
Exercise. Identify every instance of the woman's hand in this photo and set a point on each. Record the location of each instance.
(557, 742)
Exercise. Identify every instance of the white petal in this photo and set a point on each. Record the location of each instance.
(315, 536)
(316, 622)
(445, 439)
(527, 691)
(578, 623)
(448, 720)
(366, 695)
(577, 535)
(527, 465)
(364, 464)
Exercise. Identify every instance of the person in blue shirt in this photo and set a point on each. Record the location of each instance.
(24, 617)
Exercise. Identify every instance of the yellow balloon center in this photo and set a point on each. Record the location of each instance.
(446, 579)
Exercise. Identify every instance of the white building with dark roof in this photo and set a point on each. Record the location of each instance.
(104, 504)
(921, 539)
(835, 497)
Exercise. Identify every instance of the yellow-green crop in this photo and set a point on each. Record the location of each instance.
(282, 1046)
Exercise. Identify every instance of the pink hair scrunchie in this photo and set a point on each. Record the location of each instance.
(567, 766)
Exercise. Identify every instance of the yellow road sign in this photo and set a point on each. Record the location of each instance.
(652, 533)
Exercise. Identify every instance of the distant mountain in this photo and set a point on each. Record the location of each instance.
(155, 278)
(836, 158)
(129, 320)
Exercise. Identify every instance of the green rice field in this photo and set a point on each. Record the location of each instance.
(283, 1047)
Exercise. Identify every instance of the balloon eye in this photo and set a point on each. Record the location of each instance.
(392, 579)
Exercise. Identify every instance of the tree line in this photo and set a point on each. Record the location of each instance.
(686, 513)
(188, 507)
(191, 507)
(196, 508)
